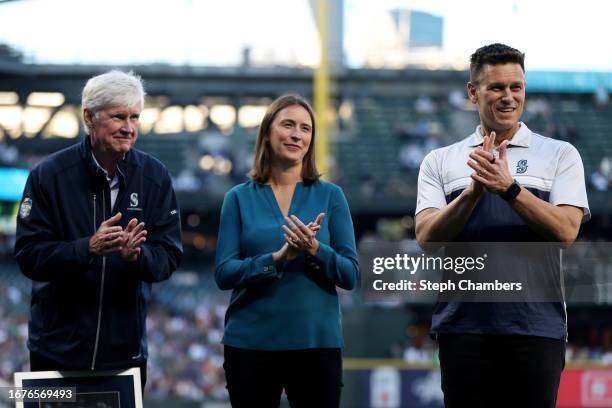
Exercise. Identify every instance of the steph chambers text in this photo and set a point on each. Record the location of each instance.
(462, 285)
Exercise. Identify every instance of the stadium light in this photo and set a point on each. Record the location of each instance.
(65, 124)
(346, 111)
(194, 117)
(170, 120)
(34, 118)
(10, 120)
(46, 99)
(222, 166)
(9, 98)
(223, 116)
(250, 116)
(148, 118)
(207, 162)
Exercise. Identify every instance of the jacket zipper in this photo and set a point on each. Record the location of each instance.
(93, 360)
(94, 212)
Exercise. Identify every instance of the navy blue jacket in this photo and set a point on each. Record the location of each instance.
(88, 312)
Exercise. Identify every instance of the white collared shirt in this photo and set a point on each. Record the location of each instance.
(112, 183)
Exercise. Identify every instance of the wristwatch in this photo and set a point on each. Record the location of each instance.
(512, 191)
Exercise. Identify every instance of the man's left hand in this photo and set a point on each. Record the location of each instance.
(490, 171)
(135, 235)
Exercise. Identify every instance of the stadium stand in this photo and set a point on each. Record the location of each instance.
(387, 121)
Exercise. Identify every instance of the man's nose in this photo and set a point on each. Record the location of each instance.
(128, 126)
(507, 94)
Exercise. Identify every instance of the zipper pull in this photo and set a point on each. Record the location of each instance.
(95, 227)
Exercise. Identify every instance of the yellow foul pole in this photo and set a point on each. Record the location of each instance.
(321, 91)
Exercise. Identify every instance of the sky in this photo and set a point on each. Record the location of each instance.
(555, 35)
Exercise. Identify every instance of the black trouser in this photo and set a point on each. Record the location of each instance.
(41, 363)
(500, 371)
(311, 378)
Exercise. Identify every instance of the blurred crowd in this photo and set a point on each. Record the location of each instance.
(13, 332)
(601, 178)
(185, 351)
(437, 122)
(593, 345)
(212, 161)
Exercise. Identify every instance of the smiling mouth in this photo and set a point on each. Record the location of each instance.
(506, 109)
(291, 146)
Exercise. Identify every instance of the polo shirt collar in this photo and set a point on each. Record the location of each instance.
(114, 182)
(521, 138)
(95, 168)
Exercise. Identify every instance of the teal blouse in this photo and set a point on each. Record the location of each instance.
(295, 306)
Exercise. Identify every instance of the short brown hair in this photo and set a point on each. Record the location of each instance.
(260, 172)
(494, 54)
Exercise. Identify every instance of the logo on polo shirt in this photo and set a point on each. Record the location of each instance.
(521, 166)
(134, 200)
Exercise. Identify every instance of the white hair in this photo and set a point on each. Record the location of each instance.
(113, 88)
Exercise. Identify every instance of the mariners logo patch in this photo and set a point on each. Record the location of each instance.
(26, 207)
(521, 166)
(134, 203)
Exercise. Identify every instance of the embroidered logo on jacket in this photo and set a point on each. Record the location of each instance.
(134, 203)
(134, 200)
(521, 166)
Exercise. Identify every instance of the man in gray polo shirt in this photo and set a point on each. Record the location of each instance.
(503, 183)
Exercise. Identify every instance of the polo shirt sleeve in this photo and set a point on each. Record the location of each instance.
(568, 186)
(430, 189)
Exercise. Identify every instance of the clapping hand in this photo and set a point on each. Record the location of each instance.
(111, 238)
(134, 236)
(477, 188)
(490, 172)
(108, 238)
(301, 237)
(289, 251)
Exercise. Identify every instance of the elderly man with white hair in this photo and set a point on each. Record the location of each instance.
(98, 223)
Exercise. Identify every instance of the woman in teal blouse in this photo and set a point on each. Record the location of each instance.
(286, 241)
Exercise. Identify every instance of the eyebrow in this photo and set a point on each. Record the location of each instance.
(503, 84)
(289, 120)
(124, 113)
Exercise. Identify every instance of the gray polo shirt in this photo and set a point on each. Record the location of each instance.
(550, 169)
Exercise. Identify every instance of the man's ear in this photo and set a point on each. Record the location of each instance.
(88, 117)
(471, 91)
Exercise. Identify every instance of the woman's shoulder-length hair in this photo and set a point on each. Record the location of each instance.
(262, 165)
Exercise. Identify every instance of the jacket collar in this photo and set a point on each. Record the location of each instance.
(95, 170)
(521, 138)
